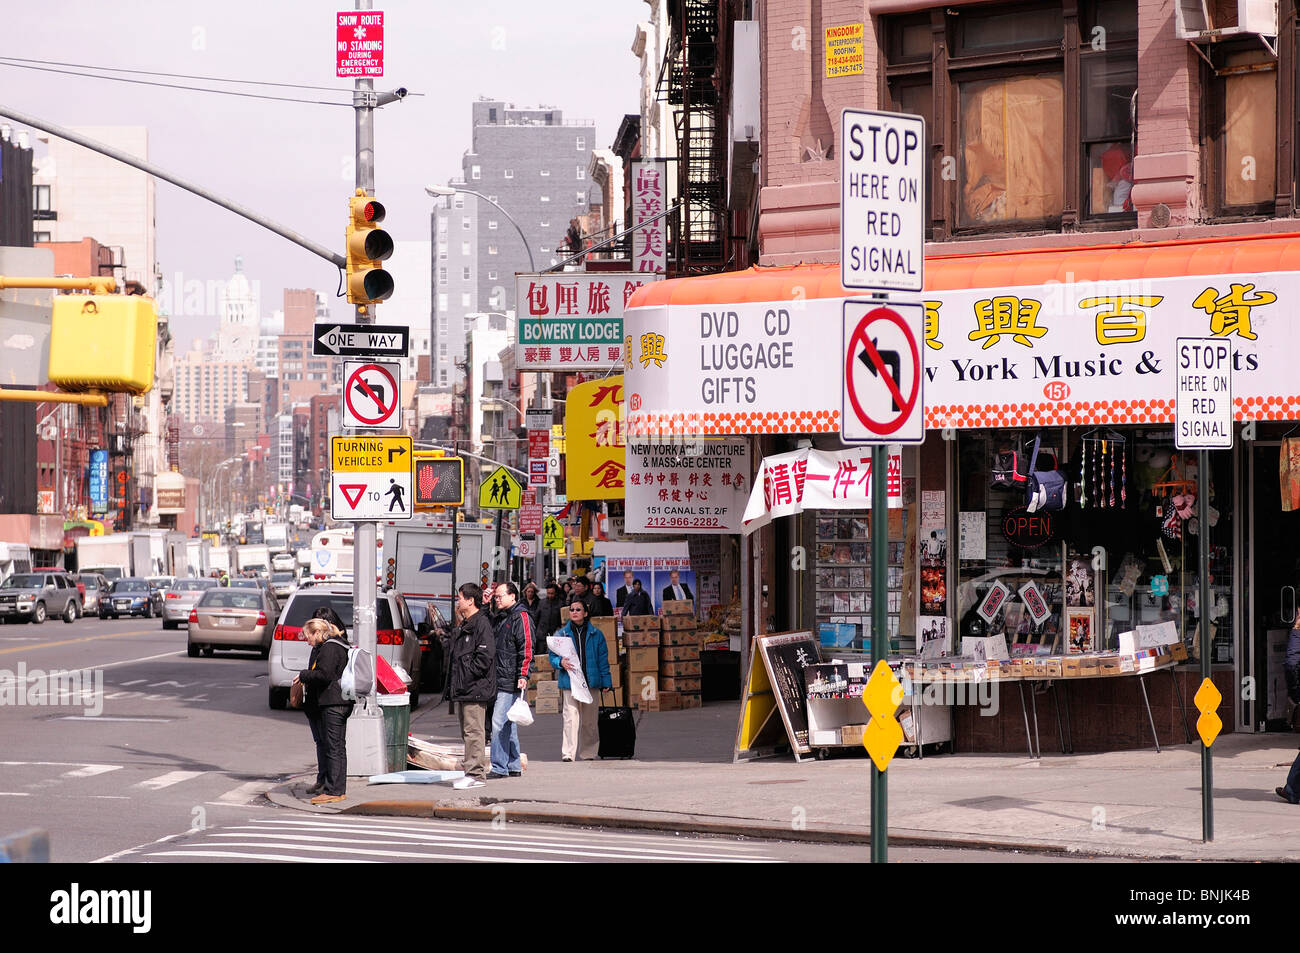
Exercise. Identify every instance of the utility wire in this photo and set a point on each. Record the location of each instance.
(195, 89)
(150, 72)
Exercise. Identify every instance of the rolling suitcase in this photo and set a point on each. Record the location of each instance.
(617, 731)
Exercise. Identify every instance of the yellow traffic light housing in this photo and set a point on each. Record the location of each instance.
(368, 245)
(439, 481)
(103, 343)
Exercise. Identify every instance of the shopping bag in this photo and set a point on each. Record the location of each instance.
(520, 713)
(617, 731)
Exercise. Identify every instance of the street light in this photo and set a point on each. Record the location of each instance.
(443, 191)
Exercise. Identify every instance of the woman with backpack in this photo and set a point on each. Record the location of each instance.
(326, 709)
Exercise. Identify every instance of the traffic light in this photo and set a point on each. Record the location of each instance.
(439, 480)
(368, 245)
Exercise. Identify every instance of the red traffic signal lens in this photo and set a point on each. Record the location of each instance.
(373, 211)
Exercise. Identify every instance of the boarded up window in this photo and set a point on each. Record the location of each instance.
(1249, 131)
(1012, 141)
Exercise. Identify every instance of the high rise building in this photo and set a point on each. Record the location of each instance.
(531, 162)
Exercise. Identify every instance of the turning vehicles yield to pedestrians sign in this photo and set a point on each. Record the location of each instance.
(372, 395)
(883, 372)
(370, 478)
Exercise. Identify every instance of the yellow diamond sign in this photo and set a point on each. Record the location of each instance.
(882, 696)
(1207, 700)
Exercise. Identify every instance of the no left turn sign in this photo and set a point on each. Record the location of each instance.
(883, 372)
(372, 394)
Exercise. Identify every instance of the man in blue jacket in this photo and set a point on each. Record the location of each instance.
(514, 635)
(581, 737)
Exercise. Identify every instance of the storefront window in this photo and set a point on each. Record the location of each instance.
(843, 574)
(1123, 552)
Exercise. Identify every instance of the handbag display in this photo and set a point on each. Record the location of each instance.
(1046, 489)
(617, 731)
(1007, 463)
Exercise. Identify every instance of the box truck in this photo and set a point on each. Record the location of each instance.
(417, 557)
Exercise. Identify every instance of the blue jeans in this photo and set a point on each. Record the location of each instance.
(505, 736)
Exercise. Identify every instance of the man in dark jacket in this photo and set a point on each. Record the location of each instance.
(550, 616)
(472, 663)
(638, 601)
(514, 635)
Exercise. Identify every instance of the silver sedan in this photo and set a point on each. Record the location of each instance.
(181, 597)
(233, 619)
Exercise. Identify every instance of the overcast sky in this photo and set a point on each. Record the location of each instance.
(292, 161)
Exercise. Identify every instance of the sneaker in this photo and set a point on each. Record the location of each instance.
(468, 782)
(328, 798)
(494, 776)
(566, 759)
(516, 774)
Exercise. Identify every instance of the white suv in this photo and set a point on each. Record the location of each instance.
(397, 641)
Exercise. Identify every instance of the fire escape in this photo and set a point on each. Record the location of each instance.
(691, 76)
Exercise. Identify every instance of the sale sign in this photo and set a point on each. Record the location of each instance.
(359, 44)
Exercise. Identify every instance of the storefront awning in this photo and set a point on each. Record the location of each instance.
(1048, 337)
(1237, 255)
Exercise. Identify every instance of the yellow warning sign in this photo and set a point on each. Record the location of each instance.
(500, 491)
(1207, 699)
(370, 454)
(844, 50)
(553, 533)
(882, 696)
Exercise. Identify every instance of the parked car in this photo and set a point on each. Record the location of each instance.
(93, 586)
(81, 589)
(433, 631)
(397, 641)
(130, 595)
(36, 596)
(180, 599)
(232, 619)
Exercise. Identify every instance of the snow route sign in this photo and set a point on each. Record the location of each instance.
(359, 44)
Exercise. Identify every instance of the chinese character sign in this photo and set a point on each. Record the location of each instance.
(697, 486)
(98, 481)
(573, 321)
(649, 199)
(789, 483)
(595, 440)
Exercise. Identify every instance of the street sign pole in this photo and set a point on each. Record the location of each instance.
(1203, 546)
(879, 632)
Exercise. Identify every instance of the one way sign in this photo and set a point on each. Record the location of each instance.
(352, 340)
(883, 372)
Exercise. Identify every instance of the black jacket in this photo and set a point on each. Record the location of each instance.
(600, 605)
(668, 592)
(472, 661)
(514, 635)
(638, 603)
(549, 620)
(320, 678)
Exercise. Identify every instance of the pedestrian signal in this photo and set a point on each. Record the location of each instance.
(439, 481)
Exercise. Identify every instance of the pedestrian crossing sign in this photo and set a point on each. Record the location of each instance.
(500, 491)
(553, 533)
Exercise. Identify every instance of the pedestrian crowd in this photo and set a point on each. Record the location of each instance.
(498, 632)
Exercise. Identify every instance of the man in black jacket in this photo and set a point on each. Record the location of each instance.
(514, 635)
(472, 663)
(549, 616)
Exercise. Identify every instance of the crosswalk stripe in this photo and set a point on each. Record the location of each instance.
(351, 852)
(518, 843)
(168, 779)
(242, 855)
(90, 770)
(246, 793)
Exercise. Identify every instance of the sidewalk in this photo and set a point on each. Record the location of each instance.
(1133, 803)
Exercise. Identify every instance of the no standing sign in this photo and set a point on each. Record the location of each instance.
(882, 201)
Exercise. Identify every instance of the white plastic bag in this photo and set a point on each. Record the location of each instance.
(520, 713)
(562, 646)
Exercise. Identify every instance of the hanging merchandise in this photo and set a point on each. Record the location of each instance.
(1104, 471)
(1008, 461)
(1289, 467)
(1047, 489)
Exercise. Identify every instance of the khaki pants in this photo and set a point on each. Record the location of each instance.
(581, 735)
(473, 717)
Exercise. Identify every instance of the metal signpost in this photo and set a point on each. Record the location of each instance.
(882, 248)
(1203, 422)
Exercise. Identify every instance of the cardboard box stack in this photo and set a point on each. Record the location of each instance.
(608, 627)
(679, 657)
(641, 636)
(543, 689)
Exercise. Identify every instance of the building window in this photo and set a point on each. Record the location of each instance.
(580, 198)
(581, 143)
(474, 173)
(1242, 118)
(464, 223)
(464, 248)
(545, 198)
(442, 253)
(544, 248)
(492, 225)
(509, 173)
(41, 236)
(464, 300)
(1037, 117)
(442, 302)
(41, 201)
(492, 276)
(582, 174)
(460, 199)
(492, 249)
(544, 224)
(465, 272)
(546, 173)
(442, 274)
(442, 225)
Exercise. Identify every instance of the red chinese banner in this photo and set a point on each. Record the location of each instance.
(790, 483)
